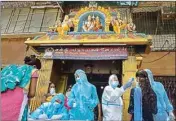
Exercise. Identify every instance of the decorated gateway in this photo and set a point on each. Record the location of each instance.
(99, 40)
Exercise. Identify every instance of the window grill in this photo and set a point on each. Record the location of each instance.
(152, 21)
(26, 20)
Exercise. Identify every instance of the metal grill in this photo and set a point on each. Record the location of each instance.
(152, 21)
(27, 20)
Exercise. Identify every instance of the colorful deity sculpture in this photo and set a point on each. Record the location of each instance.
(59, 28)
(131, 26)
(88, 25)
(118, 24)
(97, 24)
(65, 22)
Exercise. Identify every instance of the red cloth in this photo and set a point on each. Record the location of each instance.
(11, 102)
(65, 104)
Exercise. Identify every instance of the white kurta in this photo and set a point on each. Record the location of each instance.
(112, 104)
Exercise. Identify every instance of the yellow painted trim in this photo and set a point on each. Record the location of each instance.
(141, 41)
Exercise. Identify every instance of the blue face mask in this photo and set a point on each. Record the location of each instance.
(57, 105)
(78, 80)
(114, 84)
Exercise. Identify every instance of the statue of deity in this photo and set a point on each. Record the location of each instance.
(131, 26)
(97, 24)
(67, 24)
(118, 24)
(71, 25)
(59, 28)
(88, 25)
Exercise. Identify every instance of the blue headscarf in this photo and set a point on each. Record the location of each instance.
(13, 75)
(163, 104)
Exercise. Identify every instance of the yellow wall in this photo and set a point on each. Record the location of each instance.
(129, 70)
(42, 84)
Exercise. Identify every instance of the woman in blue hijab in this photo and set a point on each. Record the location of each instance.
(83, 98)
(143, 100)
(165, 108)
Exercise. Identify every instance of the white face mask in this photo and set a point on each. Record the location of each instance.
(52, 91)
(67, 93)
(137, 83)
(115, 84)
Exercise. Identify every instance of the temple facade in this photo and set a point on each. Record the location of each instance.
(101, 38)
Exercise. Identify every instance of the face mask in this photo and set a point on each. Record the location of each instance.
(137, 83)
(67, 94)
(114, 84)
(78, 80)
(52, 91)
(57, 105)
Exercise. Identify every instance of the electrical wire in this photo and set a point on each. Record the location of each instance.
(158, 58)
(161, 56)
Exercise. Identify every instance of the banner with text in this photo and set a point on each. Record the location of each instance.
(88, 53)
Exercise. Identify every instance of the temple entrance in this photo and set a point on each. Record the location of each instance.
(97, 71)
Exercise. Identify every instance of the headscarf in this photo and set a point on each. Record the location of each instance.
(150, 77)
(60, 97)
(14, 75)
(56, 108)
(82, 76)
(163, 102)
